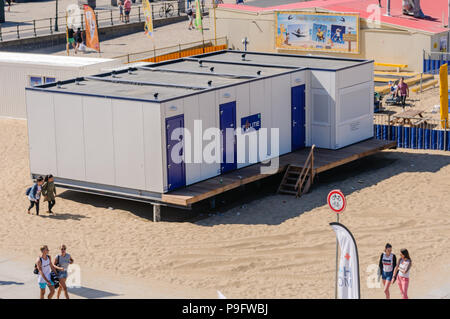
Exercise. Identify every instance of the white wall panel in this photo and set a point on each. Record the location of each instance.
(227, 95)
(99, 141)
(154, 145)
(209, 113)
(242, 110)
(129, 155)
(41, 133)
(70, 136)
(281, 111)
(193, 149)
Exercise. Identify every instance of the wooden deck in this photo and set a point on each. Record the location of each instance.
(323, 160)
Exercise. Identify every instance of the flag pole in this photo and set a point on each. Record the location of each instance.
(215, 25)
(337, 266)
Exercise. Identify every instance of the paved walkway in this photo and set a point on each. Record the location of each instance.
(17, 281)
(31, 19)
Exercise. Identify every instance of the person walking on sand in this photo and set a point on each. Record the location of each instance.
(49, 192)
(402, 272)
(34, 195)
(63, 260)
(45, 266)
(387, 264)
(120, 5)
(403, 91)
(127, 6)
(9, 5)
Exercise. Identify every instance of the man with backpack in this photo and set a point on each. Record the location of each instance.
(34, 194)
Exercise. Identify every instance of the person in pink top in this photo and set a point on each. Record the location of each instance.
(403, 91)
(401, 272)
(127, 6)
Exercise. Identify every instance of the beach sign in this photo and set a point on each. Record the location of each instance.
(347, 283)
(336, 201)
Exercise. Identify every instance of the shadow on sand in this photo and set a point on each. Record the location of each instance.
(350, 178)
(90, 293)
(64, 216)
(9, 283)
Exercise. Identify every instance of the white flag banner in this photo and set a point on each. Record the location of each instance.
(348, 274)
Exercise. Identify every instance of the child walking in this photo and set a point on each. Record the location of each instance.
(34, 194)
(120, 11)
(49, 192)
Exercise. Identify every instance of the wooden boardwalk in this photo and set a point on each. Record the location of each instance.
(323, 160)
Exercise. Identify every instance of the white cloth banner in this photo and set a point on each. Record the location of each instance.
(348, 274)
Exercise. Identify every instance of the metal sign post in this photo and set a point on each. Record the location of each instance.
(336, 201)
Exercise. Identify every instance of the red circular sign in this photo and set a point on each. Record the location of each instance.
(336, 201)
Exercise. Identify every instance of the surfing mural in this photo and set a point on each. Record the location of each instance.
(317, 31)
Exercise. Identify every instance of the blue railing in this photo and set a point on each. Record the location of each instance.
(428, 135)
(432, 61)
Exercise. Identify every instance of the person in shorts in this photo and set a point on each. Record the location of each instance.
(70, 38)
(45, 266)
(127, 6)
(63, 259)
(190, 14)
(387, 264)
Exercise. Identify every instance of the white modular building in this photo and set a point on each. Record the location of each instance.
(20, 70)
(148, 130)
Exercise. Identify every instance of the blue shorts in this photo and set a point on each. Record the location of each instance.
(387, 275)
(42, 285)
(62, 274)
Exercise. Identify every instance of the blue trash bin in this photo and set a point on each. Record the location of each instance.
(420, 139)
(406, 137)
(414, 137)
(399, 136)
(434, 137)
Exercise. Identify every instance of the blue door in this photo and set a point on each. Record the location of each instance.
(176, 174)
(228, 121)
(298, 117)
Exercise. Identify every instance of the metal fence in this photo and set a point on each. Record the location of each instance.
(176, 51)
(432, 61)
(105, 18)
(416, 133)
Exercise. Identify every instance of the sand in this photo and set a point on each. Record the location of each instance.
(274, 246)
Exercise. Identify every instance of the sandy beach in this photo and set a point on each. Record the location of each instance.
(273, 246)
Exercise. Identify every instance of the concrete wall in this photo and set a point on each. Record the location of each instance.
(381, 43)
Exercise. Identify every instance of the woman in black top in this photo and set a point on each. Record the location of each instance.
(78, 39)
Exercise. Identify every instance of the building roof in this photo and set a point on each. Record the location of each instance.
(436, 10)
(282, 60)
(180, 78)
(49, 60)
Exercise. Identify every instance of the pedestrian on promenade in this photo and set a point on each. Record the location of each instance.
(9, 5)
(78, 39)
(239, 1)
(63, 260)
(402, 272)
(127, 6)
(70, 38)
(44, 268)
(49, 192)
(387, 264)
(34, 194)
(190, 14)
(120, 11)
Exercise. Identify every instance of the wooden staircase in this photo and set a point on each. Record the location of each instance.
(298, 180)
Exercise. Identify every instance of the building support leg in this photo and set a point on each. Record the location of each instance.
(212, 203)
(156, 213)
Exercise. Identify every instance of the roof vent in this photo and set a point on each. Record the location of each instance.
(113, 74)
(243, 56)
(77, 81)
(200, 63)
(211, 69)
(209, 83)
(130, 71)
(59, 84)
(259, 72)
(156, 95)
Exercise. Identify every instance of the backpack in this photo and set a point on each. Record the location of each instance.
(27, 192)
(189, 12)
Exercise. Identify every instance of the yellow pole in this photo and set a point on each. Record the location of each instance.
(443, 90)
